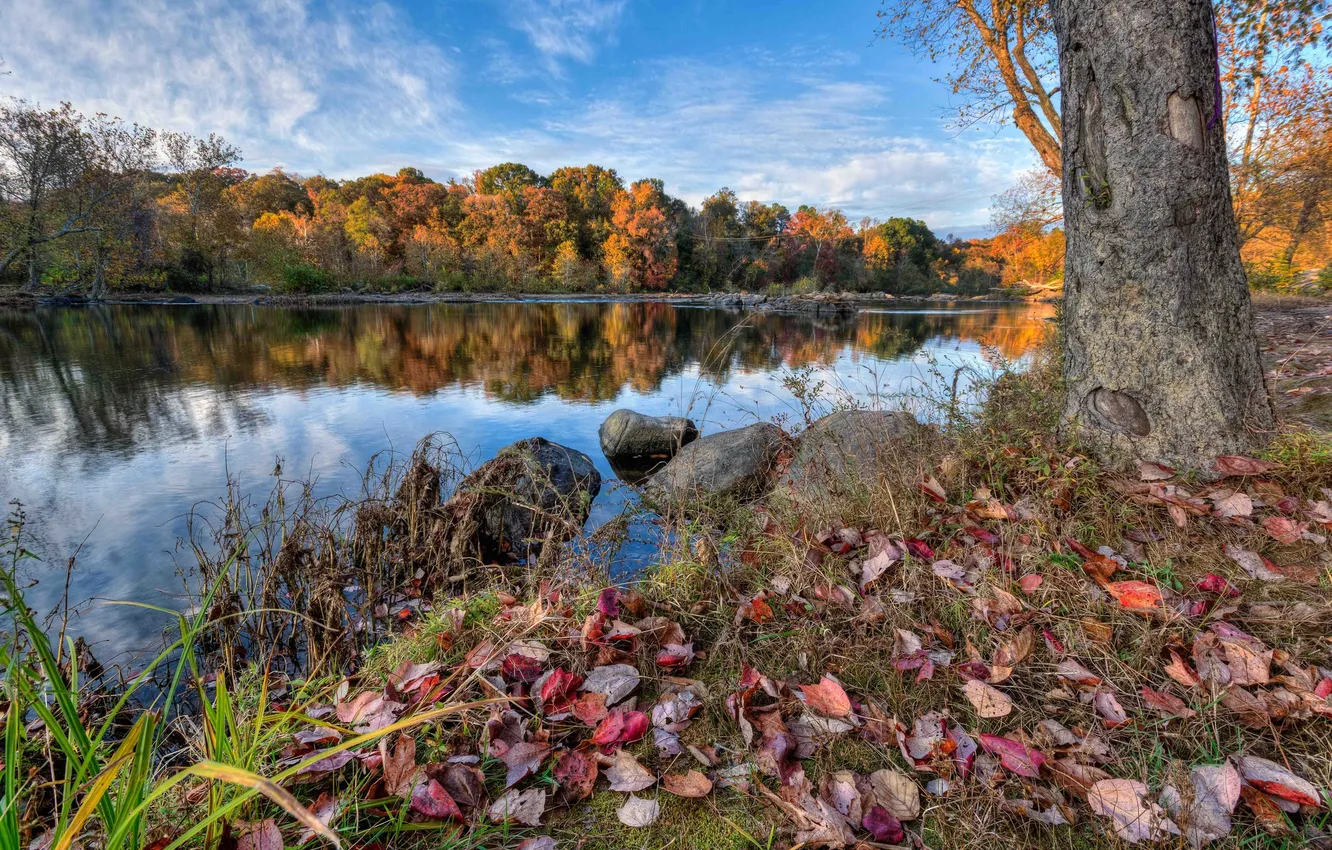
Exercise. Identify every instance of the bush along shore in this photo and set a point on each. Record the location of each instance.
(872, 633)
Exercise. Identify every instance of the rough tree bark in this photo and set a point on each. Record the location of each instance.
(1161, 360)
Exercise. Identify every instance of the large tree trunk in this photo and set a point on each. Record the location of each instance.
(1161, 361)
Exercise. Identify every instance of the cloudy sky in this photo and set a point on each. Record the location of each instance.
(786, 100)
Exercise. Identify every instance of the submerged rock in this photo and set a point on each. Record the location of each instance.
(733, 463)
(629, 438)
(531, 491)
(845, 449)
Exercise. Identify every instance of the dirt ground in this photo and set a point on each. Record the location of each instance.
(1297, 356)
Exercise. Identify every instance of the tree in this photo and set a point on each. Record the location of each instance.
(825, 231)
(1035, 201)
(1161, 359)
(60, 174)
(641, 249)
(1002, 61)
(508, 180)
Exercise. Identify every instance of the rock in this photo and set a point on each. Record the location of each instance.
(631, 438)
(511, 503)
(732, 463)
(845, 449)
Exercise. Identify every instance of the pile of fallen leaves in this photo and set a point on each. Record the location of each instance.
(577, 706)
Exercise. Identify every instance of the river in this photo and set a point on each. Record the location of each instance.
(116, 421)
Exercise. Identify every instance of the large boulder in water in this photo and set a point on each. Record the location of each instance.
(846, 450)
(630, 438)
(733, 463)
(531, 490)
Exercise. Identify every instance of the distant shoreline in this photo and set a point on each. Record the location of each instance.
(820, 302)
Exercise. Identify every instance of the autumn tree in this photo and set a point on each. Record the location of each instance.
(507, 180)
(641, 250)
(819, 234)
(1000, 57)
(1161, 360)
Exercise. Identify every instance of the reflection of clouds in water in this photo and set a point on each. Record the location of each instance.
(93, 430)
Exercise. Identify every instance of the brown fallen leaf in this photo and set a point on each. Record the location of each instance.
(626, 774)
(523, 759)
(1134, 818)
(1236, 465)
(1167, 704)
(691, 784)
(1284, 531)
(895, 792)
(261, 835)
(988, 701)
(401, 771)
(638, 812)
(525, 807)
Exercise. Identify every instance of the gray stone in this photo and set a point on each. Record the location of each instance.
(629, 437)
(531, 489)
(845, 449)
(732, 463)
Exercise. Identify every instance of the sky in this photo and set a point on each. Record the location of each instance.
(782, 100)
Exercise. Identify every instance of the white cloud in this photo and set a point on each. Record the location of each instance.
(311, 89)
(566, 29)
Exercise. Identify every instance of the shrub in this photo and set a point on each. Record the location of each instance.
(304, 278)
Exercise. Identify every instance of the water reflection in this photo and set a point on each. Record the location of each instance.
(115, 420)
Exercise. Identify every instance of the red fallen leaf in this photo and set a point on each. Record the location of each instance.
(480, 655)
(827, 698)
(1236, 465)
(590, 708)
(557, 692)
(1323, 689)
(1274, 779)
(1166, 703)
(675, 655)
(431, 800)
(1030, 582)
(919, 548)
(620, 727)
(1213, 583)
(885, 828)
(756, 610)
(1135, 595)
(964, 749)
(932, 488)
(1265, 811)
(521, 668)
(1284, 531)
(576, 773)
(1181, 672)
(1016, 757)
(1094, 564)
(1052, 643)
(973, 671)
(608, 603)
(981, 534)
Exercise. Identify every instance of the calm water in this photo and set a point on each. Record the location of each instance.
(116, 420)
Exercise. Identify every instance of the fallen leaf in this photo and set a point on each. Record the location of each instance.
(1284, 531)
(261, 835)
(827, 698)
(1167, 704)
(525, 807)
(1206, 816)
(1107, 705)
(326, 809)
(540, 842)
(1134, 818)
(877, 566)
(1213, 583)
(1135, 595)
(691, 784)
(576, 772)
(608, 602)
(1252, 563)
(625, 773)
(523, 759)
(932, 488)
(1237, 504)
(1265, 811)
(1236, 465)
(400, 769)
(885, 828)
(988, 701)
(615, 681)
(896, 793)
(1276, 780)
(1151, 471)
(1030, 582)
(430, 799)
(638, 812)
(1018, 758)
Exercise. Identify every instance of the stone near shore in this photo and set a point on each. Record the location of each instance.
(632, 438)
(531, 490)
(844, 450)
(733, 463)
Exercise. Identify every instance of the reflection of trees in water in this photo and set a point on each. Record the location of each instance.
(117, 373)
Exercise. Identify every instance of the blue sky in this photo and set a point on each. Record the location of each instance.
(786, 100)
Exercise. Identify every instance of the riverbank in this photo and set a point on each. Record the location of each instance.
(961, 637)
(811, 302)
